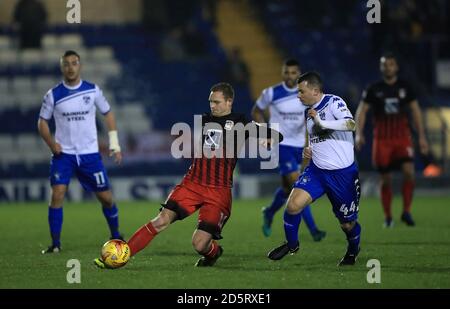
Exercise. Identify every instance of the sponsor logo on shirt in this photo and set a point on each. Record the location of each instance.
(75, 116)
(212, 139)
(86, 99)
(322, 115)
(229, 125)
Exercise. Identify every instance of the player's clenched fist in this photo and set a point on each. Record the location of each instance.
(307, 152)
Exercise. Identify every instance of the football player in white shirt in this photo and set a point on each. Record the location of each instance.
(332, 169)
(279, 104)
(73, 104)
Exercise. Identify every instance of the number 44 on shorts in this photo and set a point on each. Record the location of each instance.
(345, 209)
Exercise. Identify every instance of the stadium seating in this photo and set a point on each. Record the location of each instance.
(145, 92)
(124, 61)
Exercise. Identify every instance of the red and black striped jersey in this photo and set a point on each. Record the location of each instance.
(222, 140)
(390, 106)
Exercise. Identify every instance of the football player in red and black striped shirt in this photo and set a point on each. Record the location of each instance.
(207, 184)
(391, 100)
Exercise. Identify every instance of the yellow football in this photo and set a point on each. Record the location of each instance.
(115, 253)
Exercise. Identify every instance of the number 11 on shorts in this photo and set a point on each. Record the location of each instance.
(99, 178)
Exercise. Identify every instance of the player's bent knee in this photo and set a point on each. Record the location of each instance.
(293, 208)
(201, 240)
(200, 245)
(297, 201)
(105, 198)
(57, 199)
(58, 193)
(347, 226)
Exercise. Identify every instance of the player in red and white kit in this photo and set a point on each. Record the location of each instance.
(391, 100)
(207, 184)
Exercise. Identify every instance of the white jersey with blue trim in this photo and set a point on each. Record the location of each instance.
(331, 149)
(74, 111)
(287, 111)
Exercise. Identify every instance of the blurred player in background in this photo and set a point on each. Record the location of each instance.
(391, 99)
(73, 104)
(332, 169)
(279, 104)
(207, 184)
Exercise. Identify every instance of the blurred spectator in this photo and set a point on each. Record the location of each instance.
(171, 48)
(166, 15)
(193, 41)
(210, 11)
(180, 12)
(30, 17)
(155, 15)
(406, 21)
(237, 70)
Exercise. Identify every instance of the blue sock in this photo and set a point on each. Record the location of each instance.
(291, 225)
(278, 201)
(112, 217)
(309, 220)
(55, 220)
(353, 238)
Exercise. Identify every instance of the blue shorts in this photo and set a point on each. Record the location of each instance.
(89, 170)
(290, 159)
(341, 186)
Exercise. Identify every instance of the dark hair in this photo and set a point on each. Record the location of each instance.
(291, 62)
(389, 55)
(225, 88)
(313, 78)
(71, 53)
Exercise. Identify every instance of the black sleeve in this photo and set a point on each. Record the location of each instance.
(205, 120)
(410, 93)
(368, 95)
(245, 120)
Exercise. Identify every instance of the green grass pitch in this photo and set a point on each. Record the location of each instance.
(410, 257)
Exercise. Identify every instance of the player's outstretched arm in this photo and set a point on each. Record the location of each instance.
(44, 132)
(114, 147)
(266, 135)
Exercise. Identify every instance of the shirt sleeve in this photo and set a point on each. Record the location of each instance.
(101, 102)
(339, 109)
(410, 93)
(47, 107)
(368, 95)
(265, 98)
